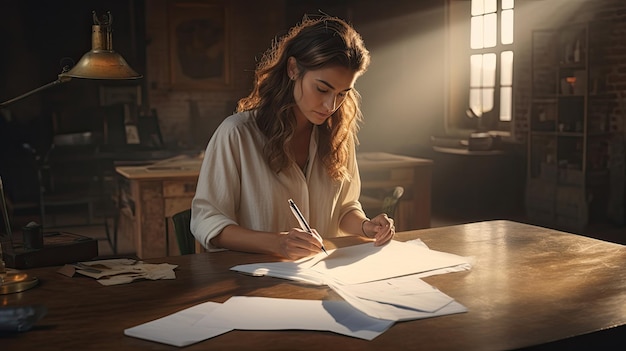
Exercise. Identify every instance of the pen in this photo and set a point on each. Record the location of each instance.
(303, 223)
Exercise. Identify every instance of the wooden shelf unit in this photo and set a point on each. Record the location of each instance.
(569, 133)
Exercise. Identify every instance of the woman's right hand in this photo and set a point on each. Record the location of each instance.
(297, 243)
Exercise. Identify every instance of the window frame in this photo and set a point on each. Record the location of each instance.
(458, 122)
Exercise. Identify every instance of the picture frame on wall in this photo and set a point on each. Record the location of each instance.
(199, 45)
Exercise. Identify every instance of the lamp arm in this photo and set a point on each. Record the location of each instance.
(7, 226)
(61, 79)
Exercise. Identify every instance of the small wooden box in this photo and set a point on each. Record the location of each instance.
(58, 249)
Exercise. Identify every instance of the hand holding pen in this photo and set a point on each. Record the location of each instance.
(304, 224)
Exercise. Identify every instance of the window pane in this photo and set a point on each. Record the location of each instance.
(490, 29)
(507, 4)
(506, 68)
(507, 27)
(477, 7)
(487, 100)
(491, 6)
(489, 70)
(475, 101)
(505, 103)
(477, 33)
(476, 69)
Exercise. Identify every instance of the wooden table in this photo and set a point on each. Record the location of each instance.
(152, 194)
(529, 286)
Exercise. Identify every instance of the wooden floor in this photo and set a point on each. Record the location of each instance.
(74, 220)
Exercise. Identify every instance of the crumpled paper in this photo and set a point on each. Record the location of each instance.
(123, 270)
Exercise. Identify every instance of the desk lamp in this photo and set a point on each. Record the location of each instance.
(99, 63)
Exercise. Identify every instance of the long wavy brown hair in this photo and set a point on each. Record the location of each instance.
(315, 44)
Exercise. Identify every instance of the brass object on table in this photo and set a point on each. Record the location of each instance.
(11, 281)
(15, 281)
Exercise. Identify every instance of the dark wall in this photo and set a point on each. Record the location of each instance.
(403, 91)
(404, 86)
(39, 38)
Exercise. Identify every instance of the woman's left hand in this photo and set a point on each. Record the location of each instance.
(380, 228)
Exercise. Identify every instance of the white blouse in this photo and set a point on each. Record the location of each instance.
(236, 186)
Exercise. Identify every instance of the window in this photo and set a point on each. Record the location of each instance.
(480, 66)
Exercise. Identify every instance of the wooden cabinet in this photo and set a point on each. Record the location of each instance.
(148, 197)
(384, 171)
(568, 139)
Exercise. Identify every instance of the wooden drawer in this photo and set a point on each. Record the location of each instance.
(179, 188)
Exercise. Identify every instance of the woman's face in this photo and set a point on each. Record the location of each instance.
(319, 93)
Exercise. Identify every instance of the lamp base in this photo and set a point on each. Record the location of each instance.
(14, 281)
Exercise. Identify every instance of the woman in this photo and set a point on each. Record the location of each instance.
(293, 137)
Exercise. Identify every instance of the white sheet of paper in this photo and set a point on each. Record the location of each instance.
(380, 310)
(377, 309)
(285, 270)
(407, 291)
(366, 262)
(262, 313)
(362, 263)
(180, 328)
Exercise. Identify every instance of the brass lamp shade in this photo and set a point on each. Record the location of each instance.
(101, 62)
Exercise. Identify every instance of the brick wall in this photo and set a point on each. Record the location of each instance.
(608, 13)
(614, 14)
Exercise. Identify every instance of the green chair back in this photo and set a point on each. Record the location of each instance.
(390, 202)
(186, 241)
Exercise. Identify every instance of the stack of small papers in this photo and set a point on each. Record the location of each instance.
(121, 271)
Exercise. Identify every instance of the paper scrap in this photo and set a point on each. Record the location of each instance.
(124, 271)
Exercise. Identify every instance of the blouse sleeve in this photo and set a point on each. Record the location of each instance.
(351, 189)
(218, 191)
